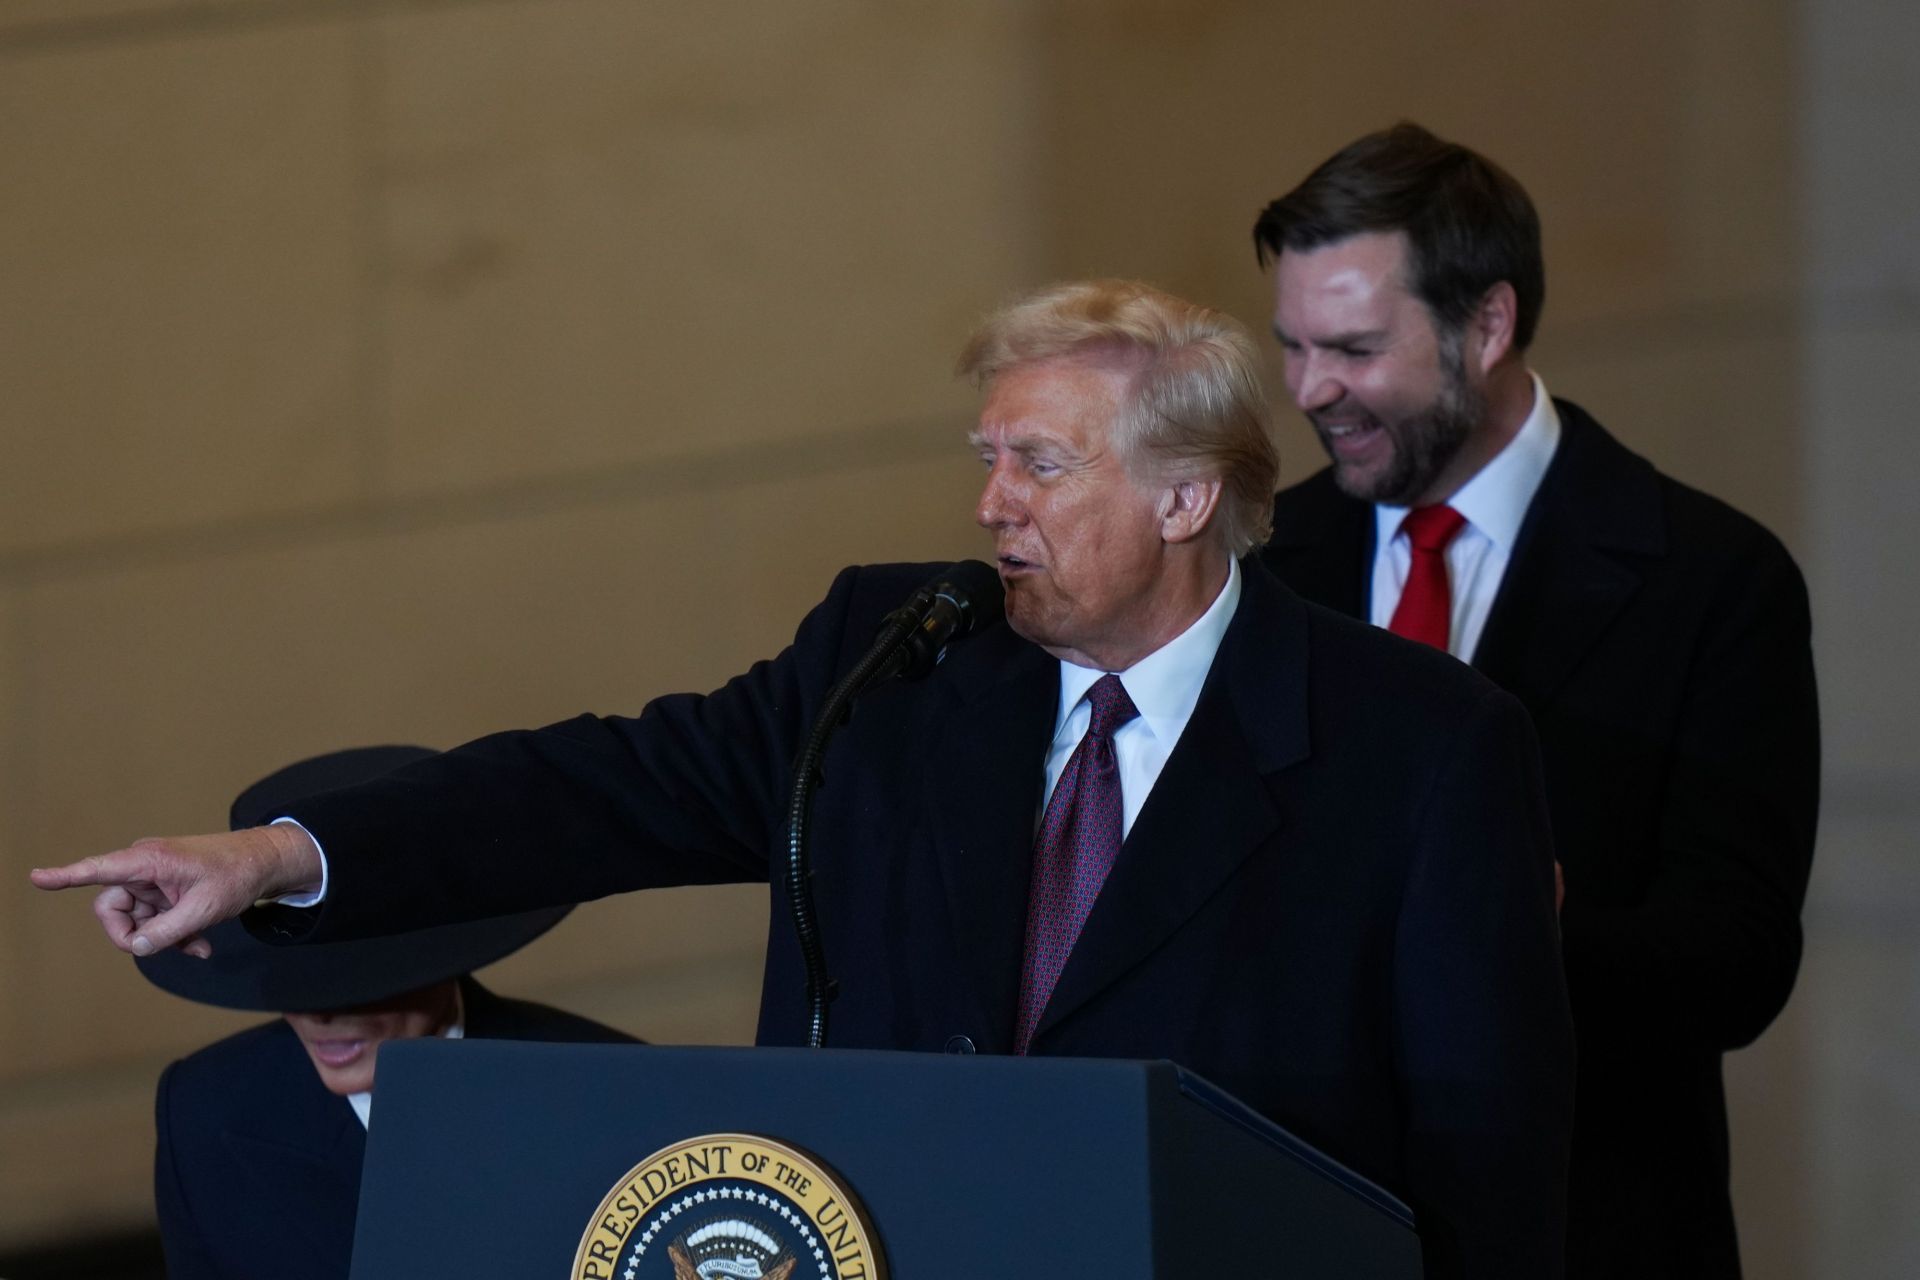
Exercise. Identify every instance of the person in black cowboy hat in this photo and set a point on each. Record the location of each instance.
(260, 1136)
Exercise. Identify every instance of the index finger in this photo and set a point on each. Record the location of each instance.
(119, 867)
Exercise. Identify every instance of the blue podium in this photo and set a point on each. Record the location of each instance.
(515, 1160)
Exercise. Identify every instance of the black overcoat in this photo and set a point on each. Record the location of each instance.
(1336, 902)
(1660, 641)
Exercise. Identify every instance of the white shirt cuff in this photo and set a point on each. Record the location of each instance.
(304, 899)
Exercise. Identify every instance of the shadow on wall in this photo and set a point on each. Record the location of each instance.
(119, 1257)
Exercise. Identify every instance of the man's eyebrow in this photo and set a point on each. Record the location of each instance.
(1023, 446)
(1350, 338)
(1018, 444)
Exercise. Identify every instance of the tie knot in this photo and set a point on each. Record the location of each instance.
(1432, 528)
(1111, 706)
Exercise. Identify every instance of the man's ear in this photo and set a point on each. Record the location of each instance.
(1187, 507)
(1492, 326)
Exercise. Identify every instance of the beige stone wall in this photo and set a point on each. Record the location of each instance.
(1859, 997)
(398, 371)
(1656, 139)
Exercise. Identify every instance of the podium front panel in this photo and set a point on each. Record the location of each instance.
(489, 1158)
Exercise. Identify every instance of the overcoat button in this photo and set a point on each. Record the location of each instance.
(959, 1044)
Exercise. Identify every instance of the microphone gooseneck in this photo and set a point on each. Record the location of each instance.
(960, 600)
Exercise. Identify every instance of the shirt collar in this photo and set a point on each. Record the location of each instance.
(1164, 685)
(1495, 498)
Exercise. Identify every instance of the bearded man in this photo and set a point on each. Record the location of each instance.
(1658, 638)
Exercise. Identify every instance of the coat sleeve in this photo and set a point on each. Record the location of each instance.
(690, 791)
(1707, 955)
(1483, 1038)
(180, 1232)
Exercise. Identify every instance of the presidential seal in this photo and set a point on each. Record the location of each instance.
(728, 1206)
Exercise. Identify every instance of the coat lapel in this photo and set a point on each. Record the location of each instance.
(983, 794)
(1211, 807)
(1322, 546)
(1568, 578)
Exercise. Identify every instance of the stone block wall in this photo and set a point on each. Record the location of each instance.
(396, 370)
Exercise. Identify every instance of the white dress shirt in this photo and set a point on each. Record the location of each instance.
(1164, 687)
(1494, 503)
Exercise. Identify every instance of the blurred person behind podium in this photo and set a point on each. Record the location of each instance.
(260, 1136)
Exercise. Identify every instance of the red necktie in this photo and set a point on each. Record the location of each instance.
(1079, 838)
(1425, 611)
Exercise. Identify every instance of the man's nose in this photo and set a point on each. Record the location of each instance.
(1313, 384)
(998, 504)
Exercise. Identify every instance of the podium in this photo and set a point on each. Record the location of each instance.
(494, 1159)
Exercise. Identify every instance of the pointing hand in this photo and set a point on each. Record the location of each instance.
(160, 893)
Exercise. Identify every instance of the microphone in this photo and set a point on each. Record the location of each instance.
(964, 598)
(961, 599)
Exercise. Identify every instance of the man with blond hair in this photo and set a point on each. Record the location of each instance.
(1168, 811)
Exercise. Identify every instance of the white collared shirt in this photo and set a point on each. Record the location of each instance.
(1494, 502)
(1164, 686)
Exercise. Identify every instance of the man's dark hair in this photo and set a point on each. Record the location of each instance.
(1469, 225)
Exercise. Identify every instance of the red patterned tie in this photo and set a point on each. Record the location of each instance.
(1079, 837)
(1425, 611)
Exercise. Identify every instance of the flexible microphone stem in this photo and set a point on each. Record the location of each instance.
(964, 598)
(806, 775)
